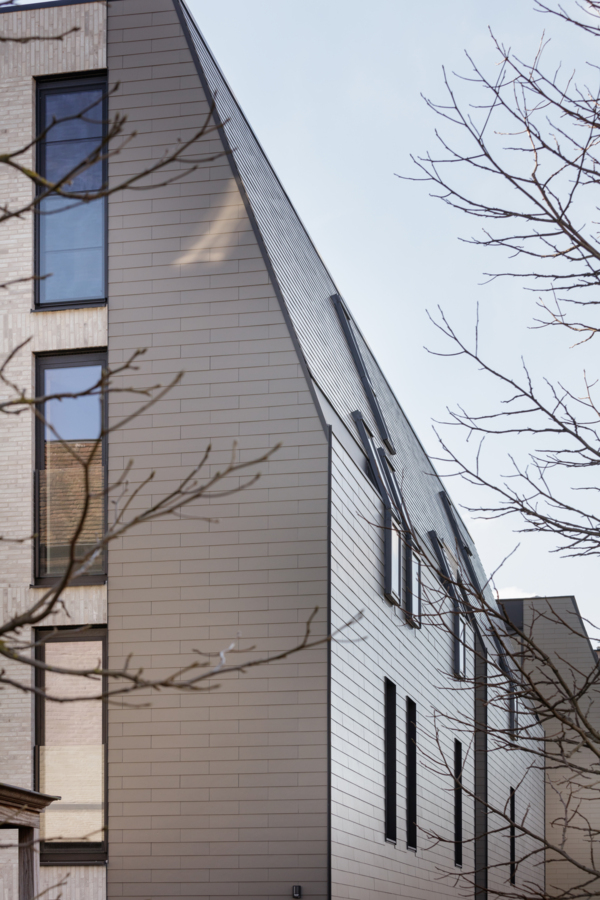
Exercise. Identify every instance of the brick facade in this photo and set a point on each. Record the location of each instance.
(82, 50)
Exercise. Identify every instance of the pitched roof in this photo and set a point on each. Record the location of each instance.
(305, 288)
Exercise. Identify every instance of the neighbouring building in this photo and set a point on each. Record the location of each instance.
(321, 771)
(564, 665)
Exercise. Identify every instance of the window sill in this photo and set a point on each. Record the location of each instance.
(75, 304)
(75, 582)
(70, 859)
(74, 854)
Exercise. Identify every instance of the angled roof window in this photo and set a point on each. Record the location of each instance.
(446, 576)
(392, 482)
(344, 317)
(464, 548)
(379, 474)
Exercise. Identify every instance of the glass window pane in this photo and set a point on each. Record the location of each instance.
(72, 757)
(70, 105)
(395, 563)
(72, 430)
(63, 157)
(77, 418)
(414, 586)
(71, 251)
(462, 650)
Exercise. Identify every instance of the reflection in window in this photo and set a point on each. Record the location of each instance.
(393, 558)
(71, 245)
(70, 440)
(460, 643)
(414, 588)
(70, 739)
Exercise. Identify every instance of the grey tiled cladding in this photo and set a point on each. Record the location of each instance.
(306, 287)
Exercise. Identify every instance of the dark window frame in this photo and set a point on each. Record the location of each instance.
(513, 837)
(59, 360)
(393, 533)
(413, 604)
(70, 853)
(513, 709)
(464, 548)
(56, 83)
(458, 803)
(389, 474)
(346, 323)
(383, 476)
(459, 614)
(411, 774)
(460, 643)
(390, 761)
(378, 473)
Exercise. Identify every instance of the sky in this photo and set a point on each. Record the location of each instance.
(333, 90)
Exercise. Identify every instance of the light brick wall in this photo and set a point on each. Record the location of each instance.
(78, 883)
(69, 329)
(9, 870)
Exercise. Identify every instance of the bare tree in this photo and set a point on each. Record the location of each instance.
(127, 513)
(518, 149)
(528, 713)
(522, 154)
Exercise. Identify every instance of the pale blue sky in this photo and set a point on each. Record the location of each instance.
(332, 88)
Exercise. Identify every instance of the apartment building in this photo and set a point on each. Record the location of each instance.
(329, 774)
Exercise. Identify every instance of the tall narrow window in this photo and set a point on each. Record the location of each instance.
(71, 746)
(378, 474)
(390, 477)
(513, 838)
(465, 551)
(458, 804)
(344, 317)
(411, 774)
(393, 558)
(460, 642)
(71, 234)
(413, 591)
(459, 627)
(390, 759)
(71, 461)
(513, 710)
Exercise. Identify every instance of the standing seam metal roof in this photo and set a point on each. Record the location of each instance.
(306, 286)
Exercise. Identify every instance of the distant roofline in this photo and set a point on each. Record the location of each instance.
(26, 6)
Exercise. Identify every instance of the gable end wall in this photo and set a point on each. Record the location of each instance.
(221, 794)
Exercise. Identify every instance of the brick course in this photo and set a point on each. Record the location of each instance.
(64, 330)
